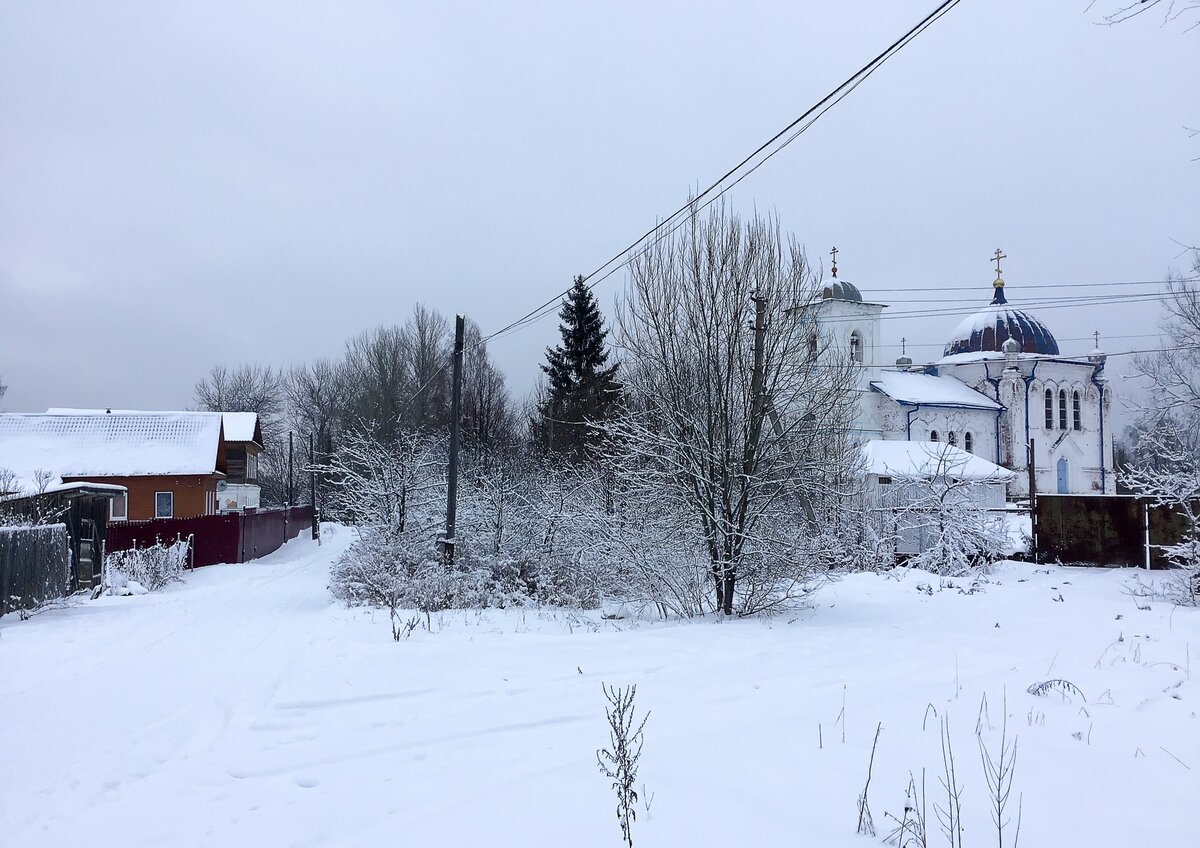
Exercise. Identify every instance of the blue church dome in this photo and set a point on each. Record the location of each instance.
(988, 329)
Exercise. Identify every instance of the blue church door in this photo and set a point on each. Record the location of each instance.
(1062, 475)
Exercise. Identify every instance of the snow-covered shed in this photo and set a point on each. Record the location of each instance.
(910, 483)
(893, 464)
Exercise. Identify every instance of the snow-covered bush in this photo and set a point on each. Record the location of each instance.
(149, 569)
(1169, 476)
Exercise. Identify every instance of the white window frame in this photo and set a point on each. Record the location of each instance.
(171, 495)
(112, 511)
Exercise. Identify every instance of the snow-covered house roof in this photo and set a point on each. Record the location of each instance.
(72, 444)
(928, 390)
(239, 426)
(929, 459)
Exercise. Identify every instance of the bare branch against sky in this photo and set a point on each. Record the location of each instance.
(191, 183)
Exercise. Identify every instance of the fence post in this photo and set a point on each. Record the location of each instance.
(1146, 529)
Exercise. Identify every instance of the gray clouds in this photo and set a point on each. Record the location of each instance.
(194, 183)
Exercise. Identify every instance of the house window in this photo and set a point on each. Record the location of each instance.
(1076, 415)
(933, 436)
(118, 508)
(885, 481)
(164, 504)
(952, 438)
(251, 466)
(968, 442)
(856, 347)
(1049, 410)
(1062, 409)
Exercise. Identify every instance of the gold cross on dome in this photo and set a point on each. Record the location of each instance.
(833, 253)
(903, 343)
(1096, 336)
(997, 256)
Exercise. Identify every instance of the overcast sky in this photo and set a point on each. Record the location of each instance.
(183, 184)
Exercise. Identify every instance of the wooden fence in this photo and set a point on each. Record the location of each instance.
(35, 566)
(231, 537)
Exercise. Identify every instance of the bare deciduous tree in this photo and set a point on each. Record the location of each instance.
(723, 393)
(316, 399)
(1172, 11)
(1167, 469)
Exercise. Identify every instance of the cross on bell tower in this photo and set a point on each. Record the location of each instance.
(833, 269)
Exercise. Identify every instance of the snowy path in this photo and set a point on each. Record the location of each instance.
(245, 708)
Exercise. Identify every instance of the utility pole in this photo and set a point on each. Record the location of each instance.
(455, 415)
(291, 476)
(1033, 534)
(312, 488)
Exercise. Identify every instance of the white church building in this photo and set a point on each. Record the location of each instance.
(1001, 385)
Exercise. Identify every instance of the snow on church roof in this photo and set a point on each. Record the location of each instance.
(928, 390)
(110, 445)
(925, 459)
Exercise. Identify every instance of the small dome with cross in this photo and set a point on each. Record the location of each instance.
(837, 289)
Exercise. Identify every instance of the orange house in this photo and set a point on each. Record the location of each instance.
(170, 462)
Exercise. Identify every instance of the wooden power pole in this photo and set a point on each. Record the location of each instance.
(1033, 534)
(291, 477)
(312, 489)
(455, 416)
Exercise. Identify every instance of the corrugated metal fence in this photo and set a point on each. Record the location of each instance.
(1104, 530)
(35, 566)
(232, 537)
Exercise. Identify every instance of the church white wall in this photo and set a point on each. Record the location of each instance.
(951, 425)
(1023, 394)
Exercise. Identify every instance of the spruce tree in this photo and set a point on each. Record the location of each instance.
(582, 387)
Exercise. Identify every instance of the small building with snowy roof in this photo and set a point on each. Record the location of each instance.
(170, 463)
(1002, 391)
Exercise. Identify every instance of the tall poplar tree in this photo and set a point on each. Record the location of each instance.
(582, 388)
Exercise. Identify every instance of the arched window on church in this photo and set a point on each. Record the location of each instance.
(1076, 413)
(933, 436)
(812, 345)
(1062, 409)
(856, 347)
(952, 438)
(1049, 410)
(968, 442)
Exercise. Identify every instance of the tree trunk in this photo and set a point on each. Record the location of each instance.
(730, 580)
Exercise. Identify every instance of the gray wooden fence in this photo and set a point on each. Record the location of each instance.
(35, 566)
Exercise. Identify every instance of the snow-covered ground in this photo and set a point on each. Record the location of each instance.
(244, 707)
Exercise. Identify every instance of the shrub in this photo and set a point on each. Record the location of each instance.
(151, 568)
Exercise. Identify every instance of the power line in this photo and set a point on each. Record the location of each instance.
(955, 311)
(718, 187)
(1024, 286)
(916, 367)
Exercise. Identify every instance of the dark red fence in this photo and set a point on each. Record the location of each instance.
(232, 537)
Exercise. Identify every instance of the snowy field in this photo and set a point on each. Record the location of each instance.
(244, 707)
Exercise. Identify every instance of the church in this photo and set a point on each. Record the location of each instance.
(1000, 387)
